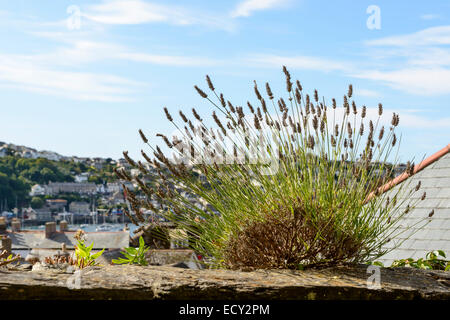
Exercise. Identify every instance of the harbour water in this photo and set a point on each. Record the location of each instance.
(104, 227)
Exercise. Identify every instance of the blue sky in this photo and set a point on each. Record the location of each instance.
(86, 88)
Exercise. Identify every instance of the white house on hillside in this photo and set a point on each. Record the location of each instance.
(37, 190)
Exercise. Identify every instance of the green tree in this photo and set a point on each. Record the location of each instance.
(13, 189)
(97, 179)
(48, 175)
(37, 202)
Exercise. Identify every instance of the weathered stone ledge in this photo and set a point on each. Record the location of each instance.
(164, 282)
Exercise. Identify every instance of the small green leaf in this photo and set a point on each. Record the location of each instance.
(378, 263)
(131, 250)
(128, 256)
(431, 255)
(82, 253)
(98, 254)
(83, 249)
(120, 261)
(143, 262)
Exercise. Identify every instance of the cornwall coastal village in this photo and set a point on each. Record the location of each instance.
(79, 190)
(224, 159)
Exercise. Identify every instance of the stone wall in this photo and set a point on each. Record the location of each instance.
(163, 282)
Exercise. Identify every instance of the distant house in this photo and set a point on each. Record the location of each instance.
(79, 160)
(399, 169)
(29, 213)
(116, 198)
(82, 177)
(134, 172)
(3, 151)
(123, 163)
(434, 176)
(56, 204)
(42, 215)
(79, 207)
(114, 187)
(98, 163)
(71, 187)
(37, 190)
(28, 154)
(50, 155)
(101, 188)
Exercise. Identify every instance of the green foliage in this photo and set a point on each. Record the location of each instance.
(37, 202)
(83, 255)
(42, 171)
(13, 188)
(134, 255)
(7, 259)
(434, 260)
(293, 185)
(18, 175)
(376, 263)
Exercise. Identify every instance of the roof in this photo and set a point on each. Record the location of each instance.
(79, 203)
(35, 239)
(422, 165)
(434, 175)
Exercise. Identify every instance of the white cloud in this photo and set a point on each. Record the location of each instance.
(52, 73)
(431, 36)
(408, 118)
(299, 62)
(418, 81)
(422, 122)
(367, 93)
(430, 16)
(417, 63)
(126, 12)
(84, 51)
(24, 73)
(129, 12)
(416, 119)
(63, 71)
(430, 57)
(246, 7)
(169, 60)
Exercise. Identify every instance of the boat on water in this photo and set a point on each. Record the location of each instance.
(105, 227)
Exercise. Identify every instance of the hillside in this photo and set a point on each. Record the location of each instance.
(22, 167)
